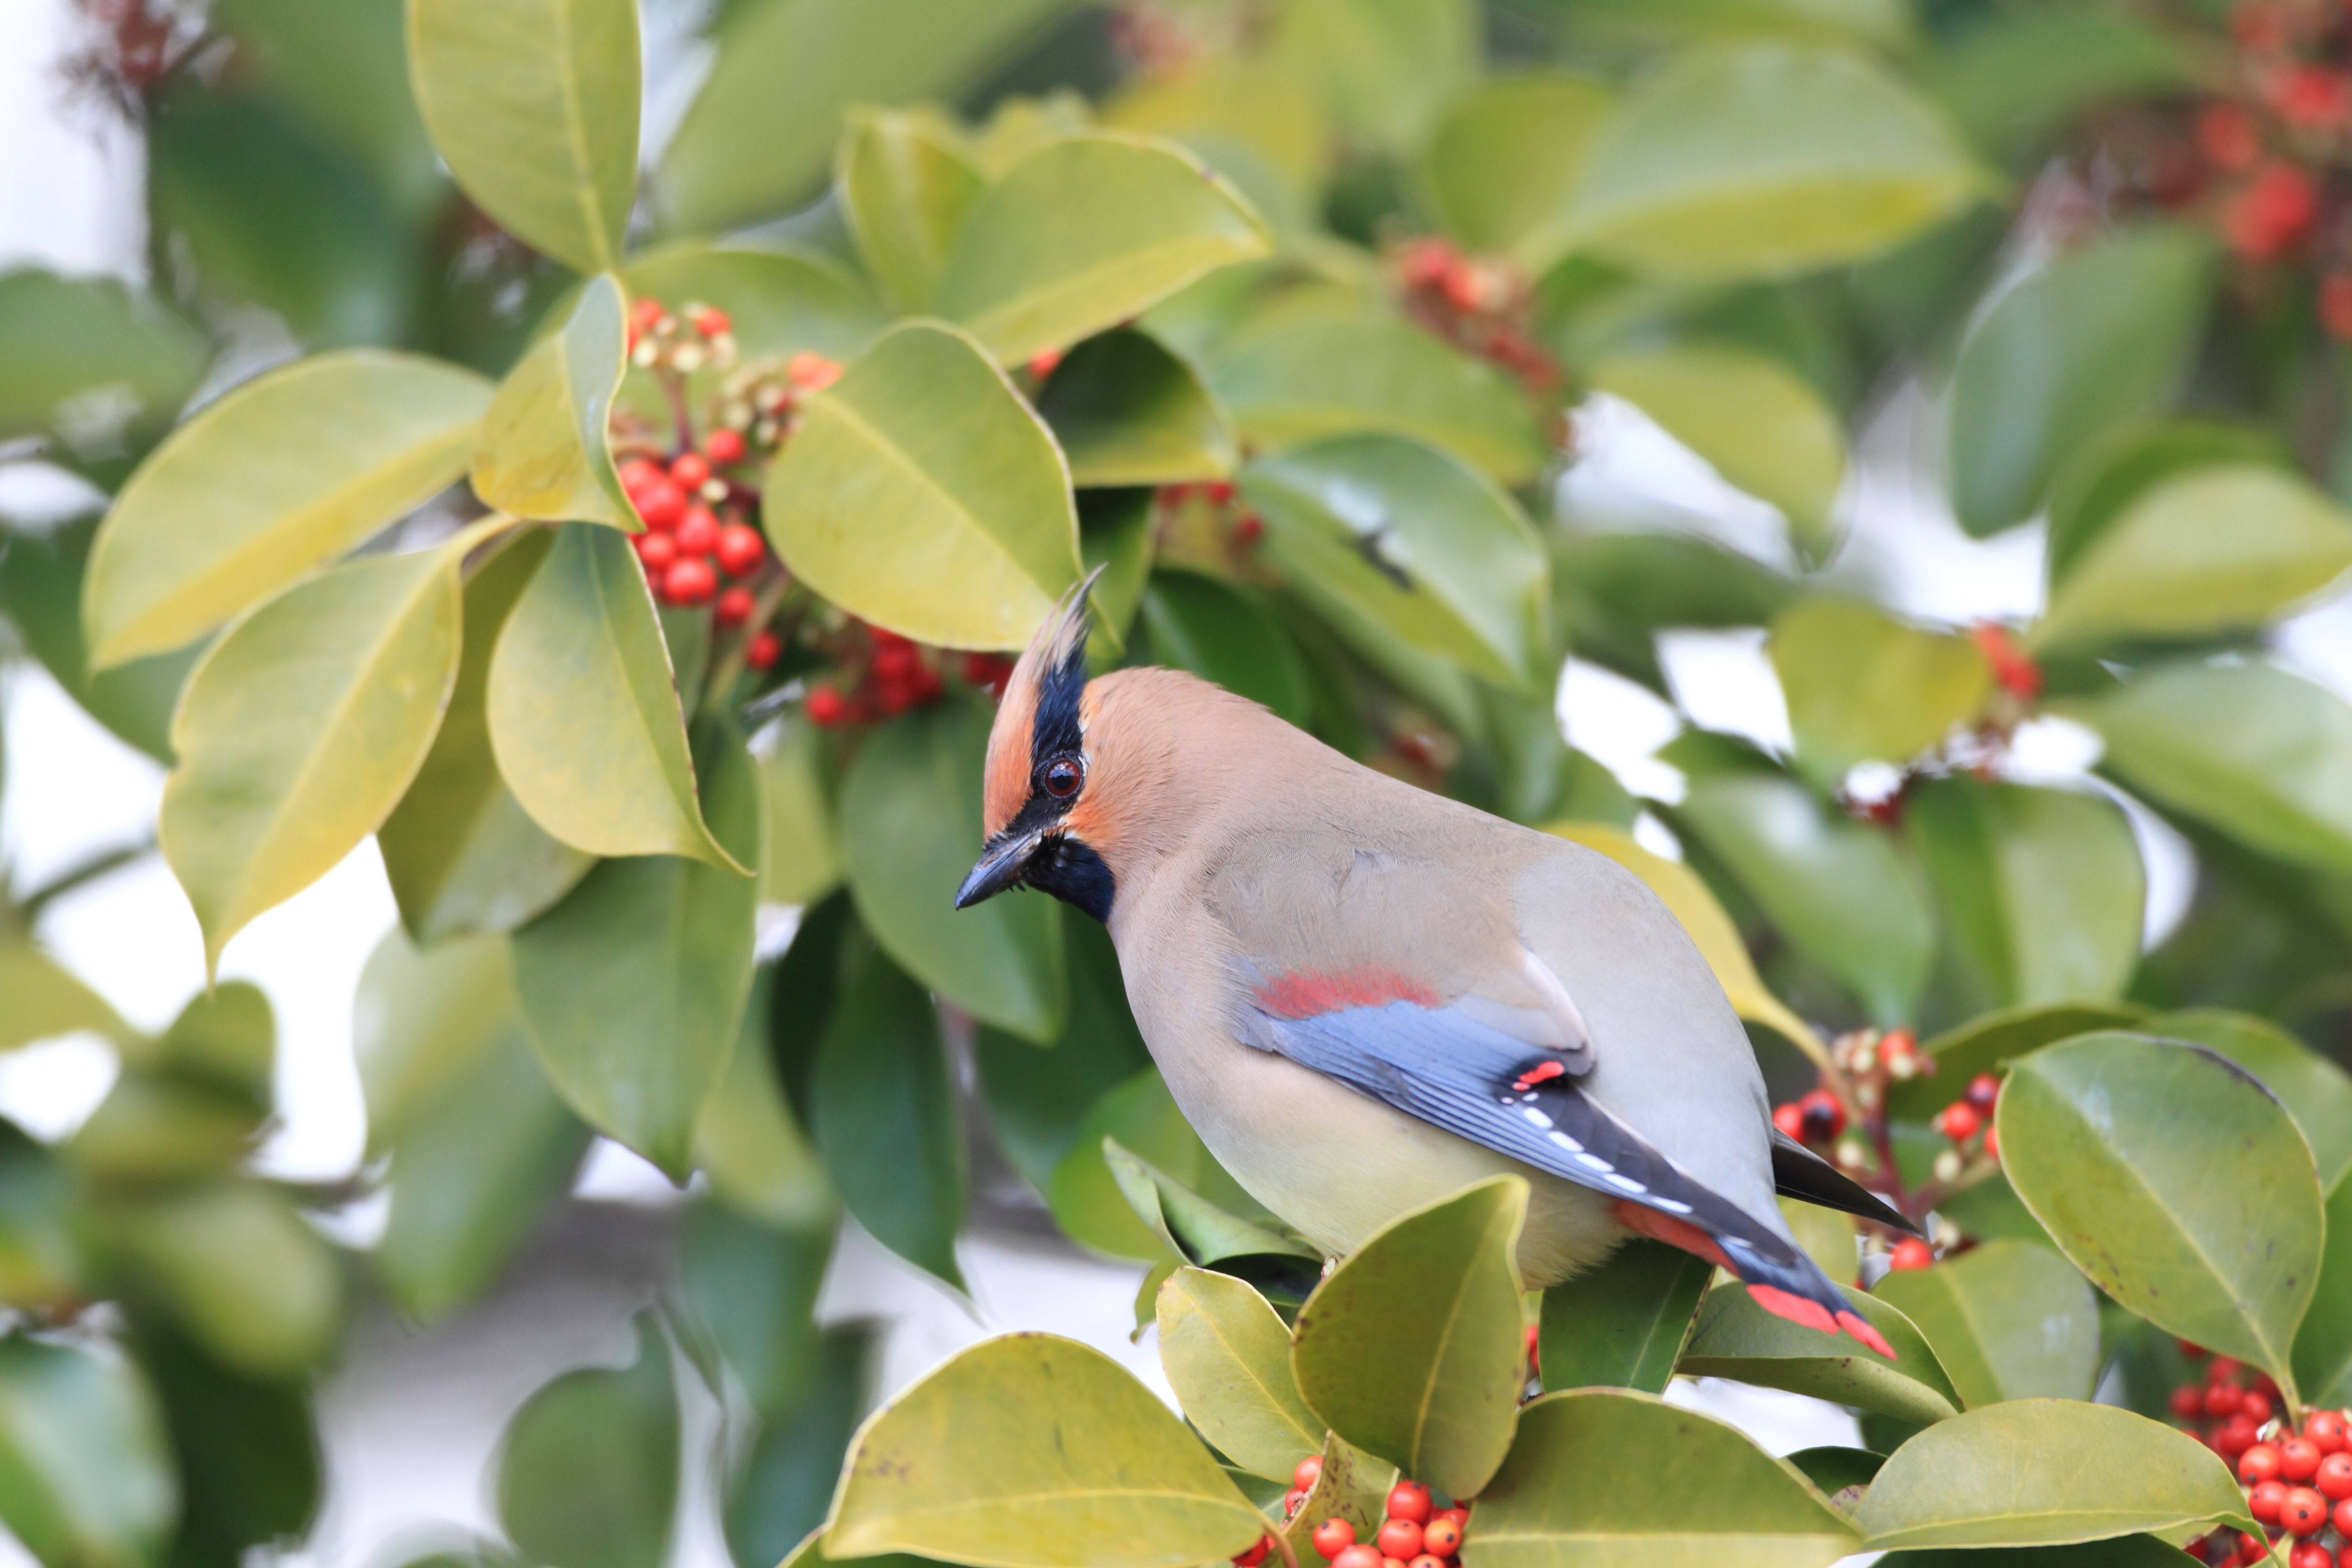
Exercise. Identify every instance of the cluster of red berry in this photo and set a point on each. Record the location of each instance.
(1482, 305)
(879, 675)
(1241, 524)
(2013, 669)
(1414, 1533)
(2297, 1484)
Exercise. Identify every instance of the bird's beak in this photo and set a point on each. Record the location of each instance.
(999, 868)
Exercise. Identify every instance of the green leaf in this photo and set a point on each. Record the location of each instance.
(422, 1021)
(905, 186)
(2043, 888)
(2008, 1320)
(1863, 687)
(1088, 1200)
(588, 1468)
(1084, 233)
(85, 1481)
(1193, 1226)
(1030, 1451)
(461, 854)
(1761, 160)
(239, 1268)
(1414, 1348)
(533, 105)
(1227, 1355)
(1352, 1485)
(301, 729)
(884, 1113)
(42, 1259)
(1764, 430)
(1127, 412)
(2097, 336)
(784, 1487)
(752, 1288)
(1614, 591)
(1224, 634)
(1838, 1470)
(40, 999)
(1584, 1481)
(190, 1105)
(909, 824)
(634, 986)
(585, 721)
(2113, 472)
(2210, 551)
(2316, 1091)
(2322, 1347)
(1381, 68)
(2120, 1551)
(785, 72)
(922, 494)
(1737, 1338)
(40, 591)
(2011, 78)
(286, 471)
(749, 1142)
(90, 359)
(1415, 541)
(2036, 1472)
(803, 861)
(344, 74)
(1037, 1100)
(1326, 376)
(2112, 1139)
(247, 1447)
(1985, 1044)
(778, 301)
(1502, 162)
(2264, 755)
(543, 450)
(1623, 1324)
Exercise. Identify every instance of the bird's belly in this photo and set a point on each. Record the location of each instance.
(1337, 1165)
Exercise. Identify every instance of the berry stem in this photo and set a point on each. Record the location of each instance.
(1290, 1552)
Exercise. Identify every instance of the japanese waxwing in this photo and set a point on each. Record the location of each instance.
(1364, 996)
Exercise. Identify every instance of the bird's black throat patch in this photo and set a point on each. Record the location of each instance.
(1073, 873)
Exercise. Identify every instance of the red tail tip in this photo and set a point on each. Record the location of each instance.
(1796, 1308)
(1859, 1326)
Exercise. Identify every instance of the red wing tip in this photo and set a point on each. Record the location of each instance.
(1796, 1308)
(1859, 1326)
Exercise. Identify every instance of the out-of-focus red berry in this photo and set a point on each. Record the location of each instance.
(1896, 1044)
(1823, 1116)
(658, 551)
(1255, 1554)
(1983, 1091)
(1427, 1560)
(1334, 1536)
(2262, 25)
(691, 470)
(661, 503)
(2263, 1500)
(2226, 135)
(1044, 362)
(712, 322)
(2013, 669)
(2272, 213)
(1408, 1500)
(2256, 1406)
(2304, 1512)
(1291, 1499)
(2298, 1459)
(828, 707)
(894, 660)
(2336, 305)
(812, 372)
(697, 532)
(763, 651)
(1355, 1556)
(1789, 1121)
(1910, 1253)
(2333, 1480)
(2259, 1464)
(1993, 1144)
(690, 580)
(2311, 1554)
(1248, 529)
(2343, 1517)
(741, 550)
(646, 314)
(735, 606)
(2234, 1437)
(1960, 1122)
(724, 447)
(2188, 1402)
(2313, 97)
(2223, 1369)
(1399, 1538)
(638, 473)
(2224, 1399)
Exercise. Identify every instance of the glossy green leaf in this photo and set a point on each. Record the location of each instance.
(1584, 1481)
(588, 1469)
(2012, 78)
(246, 1446)
(90, 359)
(1383, 68)
(40, 999)
(784, 1487)
(2112, 1139)
(2035, 1472)
(634, 986)
(1228, 1357)
(1415, 541)
(2119, 1552)
(1037, 1100)
(40, 591)
(1611, 592)
(922, 494)
(1414, 1348)
(803, 861)
(2008, 1320)
(543, 450)
(1985, 1042)
(1764, 430)
(1127, 412)
(1030, 1451)
(2316, 1091)
(1624, 1323)
(2211, 551)
(1352, 1485)
(237, 1267)
(750, 1144)
(1501, 165)
(302, 728)
(2043, 888)
(1737, 1338)
(422, 1021)
(2264, 755)
(2111, 474)
(1224, 635)
(1325, 376)
(287, 471)
(752, 1288)
(1191, 1226)
(2098, 335)
(1863, 687)
(533, 105)
(905, 186)
(909, 822)
(585, 721)
(2323, 1346)
(785, 72)
(85, 1478)
(1085, 233)
(1766, 158)
(884, 1113)
(462, 854)
(1137, 1119)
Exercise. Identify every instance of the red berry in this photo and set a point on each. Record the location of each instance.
(1789, 1121)
(1910, 1253)
(2224, 1399)
(2234, 1437)
(691, 471)
(2298, 1459)
(1044, 362)
(1358, 1556)
(658, 551)
(1960, 1122)
(1309, 1471)
(2256, 1407)
(712, 322)
(698, 532)
(2313, 96)
(1984, 1091)
(646, 314)
(1393, 1562)
(2226, 134)
(1896, 1044)
(735, 606)
(2273, 212)
(1410, 1500)
(2259, 1464)
(2311, 1554)
(1442, 1536)
(741, 550)
(1291, 1499)
(2251, 1548)
(2188, 1402)
(828, 707)
(2223, 1369)
(691, 579)
(2334, 1479)
(638, 473)
(895, 661)
(2305, 1512)
(812, 372)
(724, 447)
(2344, 1519)
(2190, 1351)
(1334, 1536)
(661, 503)
(1255, 1554)
(1249, 529)
(1993, 1144)
(2328, 1431)
(1824, 1117)
(763, 651)
(1400, 1537)
(2264, 1501)
(1426, 1561)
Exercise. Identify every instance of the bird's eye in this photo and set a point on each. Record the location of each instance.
(1062, 777)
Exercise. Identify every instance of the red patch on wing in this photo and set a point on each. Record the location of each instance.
(1642, 1220)
(1303, 993)
(1859, 1326)
(1796, 1308)
(1542, 1072)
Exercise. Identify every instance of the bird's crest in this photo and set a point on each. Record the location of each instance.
(1038, 716)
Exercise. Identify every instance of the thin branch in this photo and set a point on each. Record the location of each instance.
(81, 874)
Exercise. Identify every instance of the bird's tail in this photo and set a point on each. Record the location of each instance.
(1791, 1287)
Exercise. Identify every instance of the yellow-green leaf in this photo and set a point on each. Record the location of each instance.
(286, 471)
(922, 494)
(1127, 412)
(1228, 1357)
(245, 1276)
(1084, 233)
(543, 450)
(301, 729)
(583, 719)
(1739, 1339)
(904, 188)
(1864, 687)
(82, 1442)
(803, 861)
(39, 998)
(2316, 1091)
(1502, 164)
(2008, 1319)
(533, 105)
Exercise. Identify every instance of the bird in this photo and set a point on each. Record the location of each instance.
(1365, 997)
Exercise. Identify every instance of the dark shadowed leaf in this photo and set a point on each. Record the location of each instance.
(1127, 412)
(2323, 1348)
(782, 1487)
(1623, 1324)
(246, 1449)
(1224, 634)
(751, 1288)
(1037, 1100)
(41, 590)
